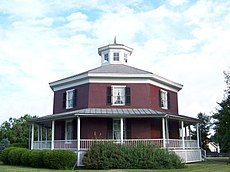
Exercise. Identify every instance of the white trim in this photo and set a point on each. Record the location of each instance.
(163, 132)
(78, 141)
(115, 78)
(198, 136)
(122, 130)
(166, 99)
(67, 99)
(182, 129)
(52, 135)
(112, 97)
(32, 137)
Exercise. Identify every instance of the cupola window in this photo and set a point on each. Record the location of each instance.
(106, 57)
(115, 56)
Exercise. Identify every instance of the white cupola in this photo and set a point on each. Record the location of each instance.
(114, 53)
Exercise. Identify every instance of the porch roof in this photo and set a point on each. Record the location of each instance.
(113, 113)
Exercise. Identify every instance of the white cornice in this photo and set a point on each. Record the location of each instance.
(86, 77)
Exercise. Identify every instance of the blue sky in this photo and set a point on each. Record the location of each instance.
(43, 41)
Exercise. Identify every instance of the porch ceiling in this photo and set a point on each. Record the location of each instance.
(113, 113)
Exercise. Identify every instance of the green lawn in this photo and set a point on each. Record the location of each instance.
(216, 164)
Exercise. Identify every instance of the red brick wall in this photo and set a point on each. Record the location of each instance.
(92, 128)
(94, 95)
(142, 96)
(82, 99)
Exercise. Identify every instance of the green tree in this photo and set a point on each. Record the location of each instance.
(222, 118)
(204, 129)
(16, 130)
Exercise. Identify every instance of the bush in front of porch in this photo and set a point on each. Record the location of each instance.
(55, 159)
(140, 156)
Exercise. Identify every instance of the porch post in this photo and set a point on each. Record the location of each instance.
(52, 135)
(38, 132)
(163, 132)
(78, 133)
(182, 130)
(167, 131)
(41, 133)
(78, 139)
(122, 128)
(32, 136)
(46, 134)
(197, 136)
(189, 131)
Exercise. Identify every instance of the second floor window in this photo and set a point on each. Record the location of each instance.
(164, 99)
(115, 56)
(69, 99)
(118, 95)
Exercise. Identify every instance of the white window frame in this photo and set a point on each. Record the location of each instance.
(67, 139)
(68, 99)
(164, 99)
(116, 56)
(118, 121)
(113, 87)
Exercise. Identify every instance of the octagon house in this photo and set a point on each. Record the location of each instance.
(115, 103)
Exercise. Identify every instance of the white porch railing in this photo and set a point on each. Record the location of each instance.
(86, 143)
(42, 144)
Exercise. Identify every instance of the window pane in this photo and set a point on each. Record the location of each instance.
(69, 98)
(119, 95)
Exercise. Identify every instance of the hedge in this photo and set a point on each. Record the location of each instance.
(4, 155)
(59, 159)
(55, 159)
(116, 156)
(14, 156)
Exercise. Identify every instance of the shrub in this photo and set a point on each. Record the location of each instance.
(14, 156)
(36, 158)
(108, 156)
(18, 145)
(25, 158)
(4, 155)
(59, 159)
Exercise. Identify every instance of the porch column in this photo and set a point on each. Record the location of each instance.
(189, 131)
(122, 128)
(167, 130)
(78, 139)
(198, 136)
(46, 134)
(182, 132)
(163, 132)
(78, 133)
(52, 135)
(41, 133)
(32, 137)
(38, 132)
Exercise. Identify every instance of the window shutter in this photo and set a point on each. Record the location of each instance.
(75, 98)
(127, 96)
(64, 100)
(168, 98)
(109, 95)
(160, 98)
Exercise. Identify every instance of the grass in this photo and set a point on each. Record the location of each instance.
(213, 164)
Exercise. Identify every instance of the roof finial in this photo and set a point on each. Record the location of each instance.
(115, 40)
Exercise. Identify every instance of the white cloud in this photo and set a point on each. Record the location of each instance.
(52, 40)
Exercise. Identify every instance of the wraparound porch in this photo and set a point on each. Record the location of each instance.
(167, 131)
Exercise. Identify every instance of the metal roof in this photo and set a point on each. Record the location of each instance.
(113, 113)
(118, 68)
